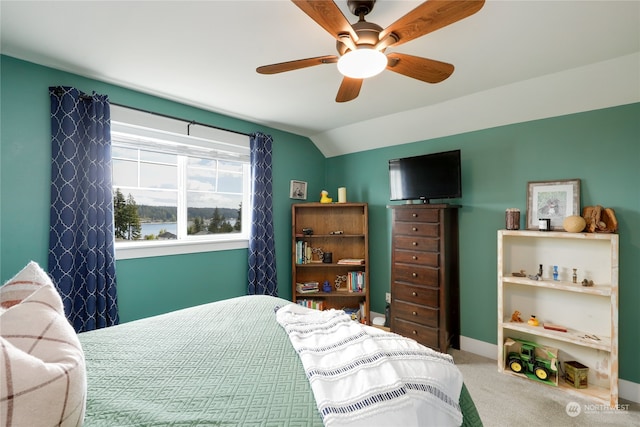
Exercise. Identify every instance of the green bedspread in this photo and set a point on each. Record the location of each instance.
(225, 363)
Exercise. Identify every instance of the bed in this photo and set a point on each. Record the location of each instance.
(223, 363)
(251, 360)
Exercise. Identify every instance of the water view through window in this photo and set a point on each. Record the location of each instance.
(169, 196)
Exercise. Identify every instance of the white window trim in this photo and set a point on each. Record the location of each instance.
(123, 118)
(131, 250)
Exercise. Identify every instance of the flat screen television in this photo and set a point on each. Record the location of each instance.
(426, 177)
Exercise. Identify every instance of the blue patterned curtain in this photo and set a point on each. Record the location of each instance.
(262, 253)
(81, 242)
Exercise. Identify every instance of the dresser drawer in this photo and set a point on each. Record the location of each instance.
(423, 334)
(421, 314)
(414, 295)
(417, 229)
(429, 259)
(417, 215)
(416, 274)
(416, 243)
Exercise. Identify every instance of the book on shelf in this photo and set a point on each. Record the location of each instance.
(351, 261)
(301, 248)
(304, 253)
(356, 281)
(311, 303)
(307, 287)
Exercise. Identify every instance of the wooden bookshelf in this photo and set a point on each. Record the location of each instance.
(342, 230)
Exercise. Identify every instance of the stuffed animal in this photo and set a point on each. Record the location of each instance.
(515, 317)
(324, 197)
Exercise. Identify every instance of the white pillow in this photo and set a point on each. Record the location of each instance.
(42, 367)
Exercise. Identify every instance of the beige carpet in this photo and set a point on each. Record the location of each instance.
(503, 400)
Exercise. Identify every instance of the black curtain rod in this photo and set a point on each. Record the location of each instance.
(59, 91)
(190, 122)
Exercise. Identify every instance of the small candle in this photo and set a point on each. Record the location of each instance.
(342, 195)
(544, 224)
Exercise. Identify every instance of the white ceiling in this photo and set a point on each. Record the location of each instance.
(204, 53)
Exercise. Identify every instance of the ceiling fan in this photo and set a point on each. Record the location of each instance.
(366, 42)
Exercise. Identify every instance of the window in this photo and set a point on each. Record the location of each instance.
(177, 193)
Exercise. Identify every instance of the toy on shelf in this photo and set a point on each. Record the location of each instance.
(515, 317)
(324, 197)
(533, 321)
(553, 327)
(534, 361)
(326, 286)
(586, 282)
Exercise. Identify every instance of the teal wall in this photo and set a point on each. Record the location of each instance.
(601, 148)
(146, 286)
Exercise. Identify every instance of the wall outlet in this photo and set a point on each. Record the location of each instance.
(387, 297)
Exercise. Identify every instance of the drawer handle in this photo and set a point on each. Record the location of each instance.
(415, 332)
(414, 274)
(414, 313)
(415, 215)
(414, 243)
(414, 257)
(415, 229)
(415, 294)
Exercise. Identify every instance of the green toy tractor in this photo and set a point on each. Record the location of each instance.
(527, 362)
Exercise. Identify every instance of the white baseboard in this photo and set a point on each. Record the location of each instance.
(629, 390)
(478, 347)
(626, 389)
(374, 314)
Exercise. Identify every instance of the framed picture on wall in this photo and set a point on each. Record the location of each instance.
(554, 200)
(298, 190)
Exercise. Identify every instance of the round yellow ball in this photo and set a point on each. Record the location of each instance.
(574, 224)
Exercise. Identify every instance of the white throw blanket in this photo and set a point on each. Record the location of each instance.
(363, 376)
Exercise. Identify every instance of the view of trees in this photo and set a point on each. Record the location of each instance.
(217, 223)
(129, 216)
(127, 221)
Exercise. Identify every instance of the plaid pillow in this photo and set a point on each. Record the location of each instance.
(42, 367)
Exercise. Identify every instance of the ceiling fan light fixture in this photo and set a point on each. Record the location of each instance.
(362, 63)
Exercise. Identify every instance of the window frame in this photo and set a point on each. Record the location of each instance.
(147, 125)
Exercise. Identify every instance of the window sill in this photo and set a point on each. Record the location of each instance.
(163, 248)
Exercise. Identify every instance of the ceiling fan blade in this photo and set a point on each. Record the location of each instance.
(429, 16)
(297, 64)
(328, 16)
(426, 70)
(349, 89)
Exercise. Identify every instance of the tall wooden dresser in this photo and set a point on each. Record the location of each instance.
(425, 274)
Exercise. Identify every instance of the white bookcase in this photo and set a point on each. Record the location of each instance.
(586, 311)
